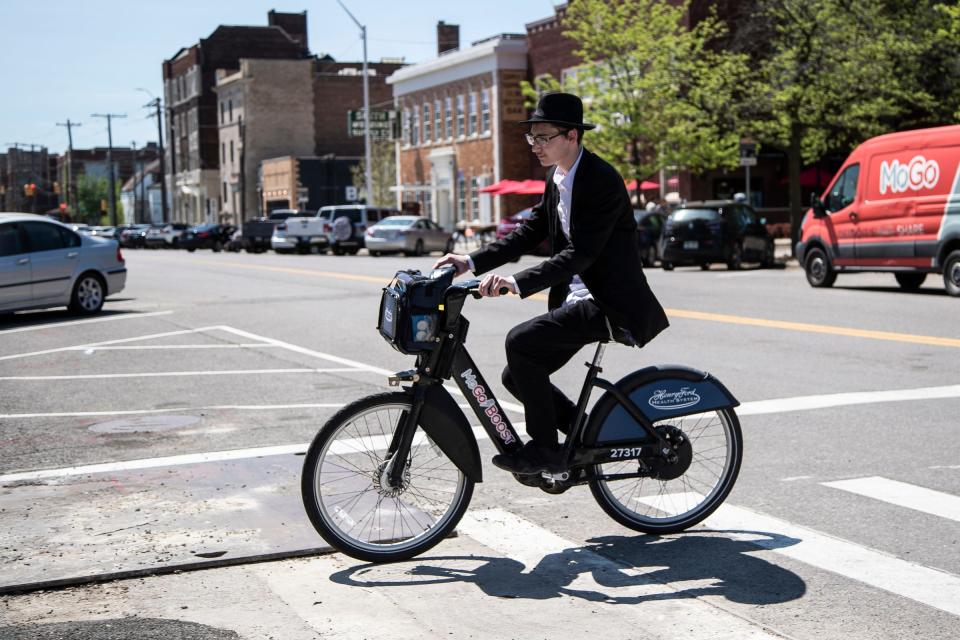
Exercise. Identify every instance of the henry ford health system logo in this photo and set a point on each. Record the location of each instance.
(669, 400)
(917, 174)
(489, 406)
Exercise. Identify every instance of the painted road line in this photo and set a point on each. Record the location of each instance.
(350, 363)
(142, 412)
(160, 347)
(902, 494)
(328, 275)
(521, 540)
(816, 328)
(150, 463)
(93, 345)
(932, 587)
(71, 323)
(806, 403)
(179, 374)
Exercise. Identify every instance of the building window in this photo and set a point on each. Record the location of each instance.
(224, 192)
(437, 121)
(485, 111)
(472, 106)
(230, 103)
(406, 126)
(416, 126)
(222, 109)
(462, 198)
(448, 117)
(223, 152)
(231, 152)
(426, 123)
(475, 197)
(460, 128)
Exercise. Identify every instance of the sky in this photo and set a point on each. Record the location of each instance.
(67, 59)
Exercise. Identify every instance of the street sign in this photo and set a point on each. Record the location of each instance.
(748, 153)
(351, 194)
(384, 125)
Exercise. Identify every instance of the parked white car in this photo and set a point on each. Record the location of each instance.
(412, 235)
(44, 263)
(167, 236)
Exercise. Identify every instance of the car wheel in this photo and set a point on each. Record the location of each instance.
(353, 251)
(667, 266)
(88, 294)
(705, 266)
(217, 246)
(910, 281)
(418, 248)
(735, 261)
(191, 250)
(375, 254)
(450, 246)
(819, 271)
(337, 251)
(769, 255)
(951, 273)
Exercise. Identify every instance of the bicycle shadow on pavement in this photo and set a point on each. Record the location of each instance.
(611, 569)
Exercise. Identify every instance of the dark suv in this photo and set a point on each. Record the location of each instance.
(701, 233)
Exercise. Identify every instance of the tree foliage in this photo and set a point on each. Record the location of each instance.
(91, 193)
(658, 91)
(384, 174)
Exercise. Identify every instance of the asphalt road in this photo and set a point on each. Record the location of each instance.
(164, 434)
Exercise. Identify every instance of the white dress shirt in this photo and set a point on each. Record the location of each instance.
(564, 181)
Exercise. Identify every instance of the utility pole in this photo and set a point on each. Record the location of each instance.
(155, 103)
(366, 109)
(243, 173)
(113, 195)
(71, 190)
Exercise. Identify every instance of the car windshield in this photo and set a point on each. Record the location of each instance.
(396, 222)
(689, 215)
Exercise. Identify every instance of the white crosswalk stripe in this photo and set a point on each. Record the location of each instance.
(902, 494)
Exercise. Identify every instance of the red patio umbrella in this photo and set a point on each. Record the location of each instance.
(644, 185)
(498, 187)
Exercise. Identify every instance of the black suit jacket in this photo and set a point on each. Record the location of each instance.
(602, 249)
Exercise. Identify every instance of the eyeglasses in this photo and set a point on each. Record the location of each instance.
(540, 141)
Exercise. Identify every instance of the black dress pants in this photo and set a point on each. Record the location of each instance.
(539, 347)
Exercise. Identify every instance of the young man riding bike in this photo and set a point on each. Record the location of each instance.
(597, 287)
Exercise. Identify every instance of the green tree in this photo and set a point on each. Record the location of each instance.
(660, 92)
(91, 192)
(384, 175)
(833, 73)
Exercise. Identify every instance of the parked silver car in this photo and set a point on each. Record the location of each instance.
(413, 235)
(44, 263)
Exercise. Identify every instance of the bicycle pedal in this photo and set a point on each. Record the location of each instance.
(555, 477)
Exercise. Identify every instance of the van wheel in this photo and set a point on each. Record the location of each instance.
(819, 271)
(910, 281)
(951, 273)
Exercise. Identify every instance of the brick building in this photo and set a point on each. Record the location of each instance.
(459, 113)
(307, 183)
(189, 77)
(35, 167)
(296, 108)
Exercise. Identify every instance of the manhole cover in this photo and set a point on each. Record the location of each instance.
(145, 423)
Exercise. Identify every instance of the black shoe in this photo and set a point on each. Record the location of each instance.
(531, 459)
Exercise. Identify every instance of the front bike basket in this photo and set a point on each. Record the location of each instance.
(410, 310)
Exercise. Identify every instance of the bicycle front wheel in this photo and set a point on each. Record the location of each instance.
(657, 506)
(350, 499)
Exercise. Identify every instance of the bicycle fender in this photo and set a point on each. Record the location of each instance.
(443, 420)
(659, 392)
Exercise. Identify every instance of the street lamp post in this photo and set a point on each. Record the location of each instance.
(368, 175)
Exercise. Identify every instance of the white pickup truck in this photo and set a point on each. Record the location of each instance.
(339, 228)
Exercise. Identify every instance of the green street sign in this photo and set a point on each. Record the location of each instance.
(384, 125)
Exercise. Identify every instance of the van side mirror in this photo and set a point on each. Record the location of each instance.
(819, 211)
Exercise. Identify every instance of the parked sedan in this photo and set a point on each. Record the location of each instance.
(134, 237)
(701, 233)
(413, 235)
(44, 263)
(207, 236)
(167, 236)
(508, 224)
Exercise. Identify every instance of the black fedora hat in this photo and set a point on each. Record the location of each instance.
(564, 109)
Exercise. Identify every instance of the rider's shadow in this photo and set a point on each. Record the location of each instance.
(615, 570)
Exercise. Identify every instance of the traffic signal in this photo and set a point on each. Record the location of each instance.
(56, 188)
(30, 189)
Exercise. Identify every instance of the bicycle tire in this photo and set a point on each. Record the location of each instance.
(373, 522)
(671, 506)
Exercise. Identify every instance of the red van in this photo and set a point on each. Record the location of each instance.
(894, 206)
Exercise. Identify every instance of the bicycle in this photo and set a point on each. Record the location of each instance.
(390, 475)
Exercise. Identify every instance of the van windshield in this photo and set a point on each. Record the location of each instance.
(689, 215)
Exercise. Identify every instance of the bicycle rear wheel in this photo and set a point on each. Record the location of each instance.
(347, 494)
(657, 506)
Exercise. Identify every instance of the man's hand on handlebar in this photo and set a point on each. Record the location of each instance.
(493, 285)
(459, 262)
